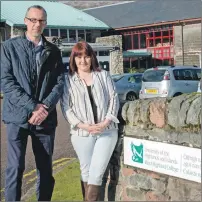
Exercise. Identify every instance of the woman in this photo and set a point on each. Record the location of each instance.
(90, 104)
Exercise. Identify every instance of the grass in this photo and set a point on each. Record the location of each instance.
(67, 184)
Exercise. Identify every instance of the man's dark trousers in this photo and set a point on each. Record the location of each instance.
(42, 145)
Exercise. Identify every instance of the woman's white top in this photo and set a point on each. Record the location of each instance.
(76, 105)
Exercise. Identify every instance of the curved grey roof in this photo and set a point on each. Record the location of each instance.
(142, 12)
(59, 15)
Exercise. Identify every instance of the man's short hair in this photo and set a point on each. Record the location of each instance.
(37, 7)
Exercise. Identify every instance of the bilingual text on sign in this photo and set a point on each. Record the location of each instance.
(179, 161)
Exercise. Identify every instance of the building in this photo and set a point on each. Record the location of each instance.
(63, 21)
(155, 32)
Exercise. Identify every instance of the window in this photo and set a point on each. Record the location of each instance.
(135, 79)
(104, 65)
(54, 32)
(72, 35)
(66, 54)
(81, 35)
(127, 42)
(46, 32)
(142, 41)
(88, 36)
(158, 42)
(151, 34)
(135, 41)
(2, 34)
(187, 74)
(198, 73)
(151, 43)
(153, 75)
(165, 33)
(63, 33)
(103, 53)
(166, 42)
(157, 34)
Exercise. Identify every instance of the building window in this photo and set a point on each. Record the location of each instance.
(158, 42)
(46, 32)
(151, 43)
(135, 41)
(103, 53)
(81, 35)
(142, 40)
(2, 34)
(127, 42)
(88, 36)
(63, 33)
(66, 54)
(54, 32)
(157, 34)
(72, 35)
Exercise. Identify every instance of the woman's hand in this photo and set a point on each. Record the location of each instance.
(94, 128)
(102, 125)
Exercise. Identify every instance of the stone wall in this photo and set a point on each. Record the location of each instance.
(191, 41)
(173, 121)
(116, 57)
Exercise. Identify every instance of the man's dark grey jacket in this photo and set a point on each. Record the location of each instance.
(21, 86)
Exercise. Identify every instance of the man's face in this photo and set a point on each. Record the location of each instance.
(35, 22)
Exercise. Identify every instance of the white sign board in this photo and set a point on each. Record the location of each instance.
(179, 161)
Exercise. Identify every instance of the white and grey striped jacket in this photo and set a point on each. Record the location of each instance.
(76, 105)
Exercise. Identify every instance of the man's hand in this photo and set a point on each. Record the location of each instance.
(39, 114)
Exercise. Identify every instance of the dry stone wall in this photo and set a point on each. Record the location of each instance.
(172, 121)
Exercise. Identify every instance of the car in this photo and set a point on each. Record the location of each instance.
(128, 85)
(169, 81)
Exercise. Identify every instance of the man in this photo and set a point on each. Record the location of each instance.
(32, 76)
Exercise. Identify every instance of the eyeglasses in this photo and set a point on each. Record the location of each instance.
(33, 20)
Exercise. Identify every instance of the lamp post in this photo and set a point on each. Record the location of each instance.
(182, 36)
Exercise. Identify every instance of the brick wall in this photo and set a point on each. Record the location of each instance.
(192, 42)
(116, 57)
(175, 121)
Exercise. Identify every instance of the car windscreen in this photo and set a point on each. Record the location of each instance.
(153, 75)
(117, 77)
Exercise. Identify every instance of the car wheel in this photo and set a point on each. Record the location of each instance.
(177, 94)
(131, 96)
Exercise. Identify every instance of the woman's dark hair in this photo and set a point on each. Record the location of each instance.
(82, 48)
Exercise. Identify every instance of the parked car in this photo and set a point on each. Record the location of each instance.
(169, 81)
(128, 85)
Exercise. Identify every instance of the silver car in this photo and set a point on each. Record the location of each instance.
(128, 85)
(169, 81)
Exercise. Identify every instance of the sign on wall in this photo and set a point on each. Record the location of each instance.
(179, 161)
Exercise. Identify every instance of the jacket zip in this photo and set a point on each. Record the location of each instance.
(46, 54)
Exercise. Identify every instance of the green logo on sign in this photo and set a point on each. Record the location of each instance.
(137, 153)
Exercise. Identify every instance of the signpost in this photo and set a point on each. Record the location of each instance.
(174, 160)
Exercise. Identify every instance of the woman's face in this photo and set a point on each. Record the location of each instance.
(83, 62)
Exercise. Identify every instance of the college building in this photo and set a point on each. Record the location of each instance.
(155, 32)
(63, 21)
